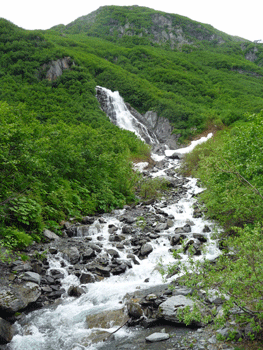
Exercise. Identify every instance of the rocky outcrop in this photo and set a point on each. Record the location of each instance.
(54, 69)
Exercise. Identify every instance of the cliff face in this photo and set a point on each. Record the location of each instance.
(54, 69)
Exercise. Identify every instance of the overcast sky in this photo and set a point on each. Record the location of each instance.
(233, 17)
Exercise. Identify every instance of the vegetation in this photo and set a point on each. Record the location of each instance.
(230, 167)
(60, 156)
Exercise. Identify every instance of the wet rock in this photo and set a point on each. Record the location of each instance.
(161, 227)
(53, 250)
(127, 229)
(146, 249)
(157, 337)
(75, 291)
(6, 331)
(134, 309)
(105, 271)
(116, 238)
(88, 220)
(83, 231)
(71, 254)
(113, 253)
(107, 319)
(95, 247)
(133, 258)
(88, 254)
(119, 269)
(202, 238)
(206, 229)
(112, 228)
(87, 277)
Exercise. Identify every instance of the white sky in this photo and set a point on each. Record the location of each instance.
(234, 17)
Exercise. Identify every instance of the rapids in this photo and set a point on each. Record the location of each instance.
(64, 326)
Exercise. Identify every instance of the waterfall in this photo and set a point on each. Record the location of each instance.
(114, 106)
(64, 325)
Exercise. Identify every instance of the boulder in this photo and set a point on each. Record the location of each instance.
(71, 254)
(50, 235)
(18, 296)
(75, 291)
(32, 277)
(87, 277)
(169, 308)
(107, 319)
(6, 331)
(157, 337)
(146, 249)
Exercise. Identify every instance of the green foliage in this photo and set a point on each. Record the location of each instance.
(230, 167)
(152, 188)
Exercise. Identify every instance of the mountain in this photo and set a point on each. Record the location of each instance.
(60, 155)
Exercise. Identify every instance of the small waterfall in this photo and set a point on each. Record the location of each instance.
(114, 106)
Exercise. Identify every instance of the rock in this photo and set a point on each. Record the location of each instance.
(18, 296)
(168, 309)
(134, 309)
(88, 220)
(83, 231)
(202, 238)
(105, 271)
(50, 235)
(32, 277)
(113, 253)
(75, 291)
(161, 227)
(88, 254)
(157, 337)
(87, 277)
(107, 319)
(146, 249)
(71, 254)
(6, 331)
(126, 229)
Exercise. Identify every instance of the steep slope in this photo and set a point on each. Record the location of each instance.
(115, 23)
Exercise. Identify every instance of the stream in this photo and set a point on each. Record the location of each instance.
(65, 324)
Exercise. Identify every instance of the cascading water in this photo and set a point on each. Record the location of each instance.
(65, 325)
(119, 114)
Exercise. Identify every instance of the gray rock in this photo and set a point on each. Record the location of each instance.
(113, 253)
(71, 254)
(157, 337)
(134, 310)
(18, 296)
(32, 277)
(161, 227)
(146, 249)
(50, 235)
(6, 331)
(168, 309)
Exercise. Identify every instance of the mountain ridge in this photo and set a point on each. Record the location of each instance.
(175, 30)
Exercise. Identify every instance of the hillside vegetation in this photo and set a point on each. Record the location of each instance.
(60, 156)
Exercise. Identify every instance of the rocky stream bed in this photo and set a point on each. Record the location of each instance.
(73, 269)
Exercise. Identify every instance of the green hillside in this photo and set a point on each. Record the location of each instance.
(60, 156)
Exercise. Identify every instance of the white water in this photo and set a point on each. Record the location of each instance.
(64, 326)
(124, 119)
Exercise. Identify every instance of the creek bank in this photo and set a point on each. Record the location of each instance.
(85, 254)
